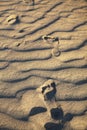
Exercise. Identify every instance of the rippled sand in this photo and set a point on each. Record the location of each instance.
(26, 62)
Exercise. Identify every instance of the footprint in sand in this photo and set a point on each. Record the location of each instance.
(47, 93)
(49, 39)
(12, 19)
(55, 51)
(30, 2)
(55, 42)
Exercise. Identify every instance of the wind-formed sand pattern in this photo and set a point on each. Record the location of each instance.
(28, 64)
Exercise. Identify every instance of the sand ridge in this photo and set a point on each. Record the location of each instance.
(27, 62)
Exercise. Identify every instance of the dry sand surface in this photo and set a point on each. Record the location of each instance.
(43, 85)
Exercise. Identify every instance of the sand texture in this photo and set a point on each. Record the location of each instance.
(43, 82)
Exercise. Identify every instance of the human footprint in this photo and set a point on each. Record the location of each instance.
(55, 51)
(47, 93)
(50, 39)
(30, 2)
(53, 41)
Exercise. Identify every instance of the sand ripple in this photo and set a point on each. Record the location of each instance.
(26, 61)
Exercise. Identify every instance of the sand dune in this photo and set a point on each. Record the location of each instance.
(27, 62)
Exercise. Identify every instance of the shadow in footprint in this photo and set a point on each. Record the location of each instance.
(67, 117)
(53, 126)
(57, 113)
(37, 110)
(17, 20)
(50, 94)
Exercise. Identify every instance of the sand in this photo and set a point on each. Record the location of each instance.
(29, 63)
